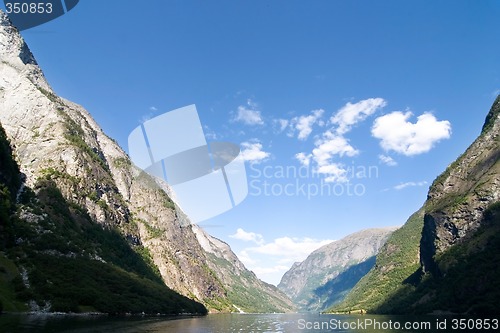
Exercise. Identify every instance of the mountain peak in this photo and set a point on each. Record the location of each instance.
(16, 56)
(12, 44)
(493, 117)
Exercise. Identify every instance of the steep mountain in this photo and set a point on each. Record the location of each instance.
(329, 273)
(446, 257)
(245, 291)
(85, 219)
(53, 257)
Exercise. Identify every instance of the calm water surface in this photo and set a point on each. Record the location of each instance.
(224, 323)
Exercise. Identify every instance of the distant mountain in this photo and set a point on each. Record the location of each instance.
(446, 257)
(82, 229)
(328, 274)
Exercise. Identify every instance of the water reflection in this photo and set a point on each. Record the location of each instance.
(226, 323)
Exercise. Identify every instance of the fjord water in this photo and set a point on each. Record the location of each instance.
(221, 323)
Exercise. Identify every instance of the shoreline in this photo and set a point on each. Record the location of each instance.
(101, 314)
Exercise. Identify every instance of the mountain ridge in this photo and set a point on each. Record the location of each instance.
(89, 184)
(441, 258)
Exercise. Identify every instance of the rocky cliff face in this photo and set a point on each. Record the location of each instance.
(445, 258)
(59, 146)
(458, 198)
(328, 274)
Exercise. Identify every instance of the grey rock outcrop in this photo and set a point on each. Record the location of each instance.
(458, 198)
(328, 273)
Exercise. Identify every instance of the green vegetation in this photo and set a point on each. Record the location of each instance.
(76, 264)
(78, 142)
(241, 293)
(9, 185)
(167, 202)
(147, 180)
(93, 196)
(121, 162)
(491, 116)
(9, 173)
(449, 202)
(444, 175)
(469, 276)
(397, 260)
(75, 134)
(73, 283)
(397, 285)
(336, 289)
(154, 232)
(52, 174)
(101, 203)
(50, 95)
(5, 204)
(8, 275)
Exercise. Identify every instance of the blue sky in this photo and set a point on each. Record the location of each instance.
(397, 89)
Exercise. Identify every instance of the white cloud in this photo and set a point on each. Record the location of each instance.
(334, 172)
(328, 147)
(269, 261)
(153, 108)
(398, 134)
(333, 144)
(351, 114)
(304, 159)
(409, 184)
(282, 124)
(387, 160)
(304, 124)
(248, 114)
(294, 249)
(259, 271)
(209, 134)
(248, 236)
(252, 152)
(246, 260)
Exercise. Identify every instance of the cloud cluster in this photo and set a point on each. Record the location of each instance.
(332, 143)
(329, 146)
(281, 252)
(248, 114)
(293, 249)
(398, 134)
(304, 124)
(351, 114)
(387, 160)
(253, 152)
(409, 184)
(395, 132)
(248, 236)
